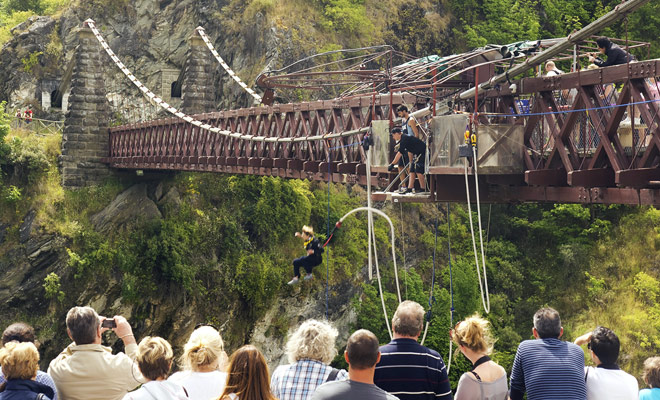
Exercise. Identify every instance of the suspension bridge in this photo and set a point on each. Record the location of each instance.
(588, 136)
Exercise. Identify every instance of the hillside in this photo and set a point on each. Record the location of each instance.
(217, 248)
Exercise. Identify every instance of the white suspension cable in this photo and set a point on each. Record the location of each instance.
(370, 218)
(237, 135)
(222, 62)
(484, 299)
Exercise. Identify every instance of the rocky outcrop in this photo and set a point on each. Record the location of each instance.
(131, 207)
(19, 75)
(283, 318)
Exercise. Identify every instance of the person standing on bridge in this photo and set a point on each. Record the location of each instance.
(615, 54)
(313, 258)
(417, 149)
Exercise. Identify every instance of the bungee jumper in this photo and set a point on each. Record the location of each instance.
(313, 258)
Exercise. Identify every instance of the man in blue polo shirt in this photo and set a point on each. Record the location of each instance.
(548, 368)
(407, 369)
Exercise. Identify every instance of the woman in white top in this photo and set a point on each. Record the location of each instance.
(155, 361)
(203, 360)
(486, 380)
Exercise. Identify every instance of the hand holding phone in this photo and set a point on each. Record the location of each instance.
(109, 323)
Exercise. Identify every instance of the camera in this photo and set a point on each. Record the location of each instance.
(109, 323)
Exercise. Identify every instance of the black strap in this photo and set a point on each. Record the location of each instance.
(333, 375)
(480, 361)
(476, 376)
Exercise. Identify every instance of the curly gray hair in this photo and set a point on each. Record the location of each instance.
(314, 340)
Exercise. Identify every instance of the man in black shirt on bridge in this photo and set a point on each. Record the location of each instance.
(416, 150)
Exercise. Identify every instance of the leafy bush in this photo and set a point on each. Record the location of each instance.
(52, 287)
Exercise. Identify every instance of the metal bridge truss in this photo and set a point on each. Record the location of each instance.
(585, 140)
(174, 144)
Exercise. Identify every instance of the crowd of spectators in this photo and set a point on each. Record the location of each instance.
(545, 367)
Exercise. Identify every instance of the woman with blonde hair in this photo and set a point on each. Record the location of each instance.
(310, 349)
(486, 380)
(154, 359)
(248, 376)
(20, 363)
(313, 258)
(203, 360)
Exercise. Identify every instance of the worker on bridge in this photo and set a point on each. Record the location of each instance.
(417, 150)
(313, 258)
(615, 54)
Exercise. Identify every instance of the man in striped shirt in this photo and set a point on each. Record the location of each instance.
(548, 368)
(407, 369)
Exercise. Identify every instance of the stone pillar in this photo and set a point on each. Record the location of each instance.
(198, 90)
(85, 136)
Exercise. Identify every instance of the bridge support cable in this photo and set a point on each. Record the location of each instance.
(224, 65)
(485, 298)
(189, 119)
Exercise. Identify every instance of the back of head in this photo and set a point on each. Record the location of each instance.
(605, 344)
(402, 108)
(651, 373)
(474, 333)
(362, 350)
(547, 323)
(204, 348)
(19, 360)
(18, 332)
(82, 323)
(603, 42)
(154, 357)
(408, 319)
(314, 340)
(248, 375)
(549, 65)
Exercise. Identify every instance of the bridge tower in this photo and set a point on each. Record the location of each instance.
(197, 89)
(85, 135)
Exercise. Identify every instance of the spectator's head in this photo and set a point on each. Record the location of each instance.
(603, 44)
(651, 373)
(474, 333)
(19, 360)
(204, 351)
(550, 65)
(408, 319)
(83, 325)
(154, 357)
(248, 375)
(605, 345)
(362, 350)
(401, 110)
(547, 324)
(396, 133)
(314, 340)
(308, 230)
(18, 332)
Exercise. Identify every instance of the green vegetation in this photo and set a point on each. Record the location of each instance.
(14, 12)
(595, 265)
(52, 287)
